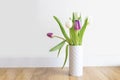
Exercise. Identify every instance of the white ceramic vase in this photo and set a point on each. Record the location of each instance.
(75, 61)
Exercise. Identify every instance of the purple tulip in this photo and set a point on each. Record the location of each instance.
(50, 35)
(77, 25)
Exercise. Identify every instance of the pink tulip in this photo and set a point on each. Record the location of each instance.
(77, 25)
(50, 35)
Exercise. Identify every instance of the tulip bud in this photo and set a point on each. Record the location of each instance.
(50, 35)
(77, 25)
(77, 15)
(68, 24)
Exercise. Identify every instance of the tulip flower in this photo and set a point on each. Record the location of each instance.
(77, 25)
(68, 24)
(50, 35)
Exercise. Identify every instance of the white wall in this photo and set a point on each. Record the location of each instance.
(24, 24)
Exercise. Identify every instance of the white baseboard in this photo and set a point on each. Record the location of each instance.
(57, 62)
(30, 62)
(102, 60)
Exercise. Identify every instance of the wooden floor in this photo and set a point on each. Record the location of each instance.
(90, 73)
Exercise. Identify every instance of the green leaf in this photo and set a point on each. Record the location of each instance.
(80, 18)
(73, 17)
(81, 32)
(66, 56)
(58, 46)
(62, 29)
(72, 32)
(59, 51)
(72, 35)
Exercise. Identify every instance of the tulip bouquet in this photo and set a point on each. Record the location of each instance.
(76, 32)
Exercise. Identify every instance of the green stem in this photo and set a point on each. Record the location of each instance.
(59, 37)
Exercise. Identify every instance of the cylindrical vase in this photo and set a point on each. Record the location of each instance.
(75, 61)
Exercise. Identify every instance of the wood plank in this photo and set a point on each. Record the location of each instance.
(90, 73)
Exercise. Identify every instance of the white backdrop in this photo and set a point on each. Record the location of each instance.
(24, 24)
